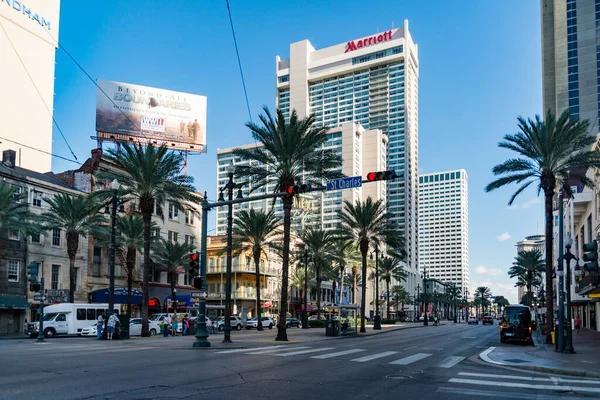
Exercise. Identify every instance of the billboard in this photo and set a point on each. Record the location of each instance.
(134, 113)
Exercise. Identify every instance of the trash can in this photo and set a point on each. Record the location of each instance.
(332, 328)
(193, 327)
(122, 331)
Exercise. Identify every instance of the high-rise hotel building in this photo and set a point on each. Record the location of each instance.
(373, 81)
(444, 226)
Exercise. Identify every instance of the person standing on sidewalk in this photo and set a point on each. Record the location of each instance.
(166, 325)
(577, 324)
(112, 323)
(99, 325)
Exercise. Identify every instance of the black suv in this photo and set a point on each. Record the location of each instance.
(516, 324)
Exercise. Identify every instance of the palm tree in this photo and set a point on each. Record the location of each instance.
(297, 279)
(366, 223)
(253, 232)
(550, 152)
(345, 254)
(528, 268)
(481, 294)
(390, 268)
(321, 244)
(454, 292)
(501, 301)
(152, 177)
(291, 153)
(129, 241)
(78, 215)
(400, 294)
(172, 255)
(14, 210)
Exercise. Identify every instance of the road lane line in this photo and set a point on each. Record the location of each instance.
(525, 385)
(499, 395)
(295, 353)
(410, 348)
(530, 378)
(252, 349)
(374, 356)
(339, 353)
(450, 362)
(411, 359)
(273, 350)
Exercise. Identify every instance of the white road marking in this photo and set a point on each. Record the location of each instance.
(484, 355)
(525, 385)
(530, 378)
(374, 356)
(411, 359)
(499, 394)
(431, 348)
(450, 362)
(339, 353)
(469, 337)
(272, 350)
(252, 349)
(295, 353)
(410, 348)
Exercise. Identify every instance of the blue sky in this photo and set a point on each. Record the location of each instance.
(480, 68)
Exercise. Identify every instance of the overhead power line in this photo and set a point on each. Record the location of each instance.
(40, 150)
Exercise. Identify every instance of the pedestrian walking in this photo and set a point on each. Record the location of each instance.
(99, 325)
(111, 325)
(185, 324)
(166, 325)
(175, 324)
(577, 324)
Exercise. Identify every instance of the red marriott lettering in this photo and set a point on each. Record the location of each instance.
(359, 44)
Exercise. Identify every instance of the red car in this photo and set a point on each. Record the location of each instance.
(487, 320)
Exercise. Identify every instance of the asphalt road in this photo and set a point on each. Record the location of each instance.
(418, 363)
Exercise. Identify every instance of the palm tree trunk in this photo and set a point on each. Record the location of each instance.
(354, 289)
(256, 256)
(72, 245)
(318, 271)
(283, 303)
(364, 248)
(342, 268)
(173, 276)
(130, 263)
(549, 297)
(147, 206)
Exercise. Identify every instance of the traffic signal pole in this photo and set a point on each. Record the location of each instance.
(40, 337)
(201, 332)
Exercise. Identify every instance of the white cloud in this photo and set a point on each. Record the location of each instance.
(503, 237)
(489, 271)
(531, 202)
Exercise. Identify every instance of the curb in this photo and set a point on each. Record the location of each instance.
(484, 356)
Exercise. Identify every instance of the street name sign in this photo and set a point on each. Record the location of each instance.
(198, 295)
(344, 183)
(57, 296)
(39, 297)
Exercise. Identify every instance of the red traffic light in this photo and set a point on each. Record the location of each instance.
(381, 176)
(289, 190)
(371, 176)
(194, 257)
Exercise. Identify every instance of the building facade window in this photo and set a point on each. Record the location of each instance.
(37, 199)
(173, 211)
(189, 217)
(189, 239)
(55, 278)
(36, 238)
(76, 279)
(55, 237)
(172, 236)
(13, 270)
(14, 235)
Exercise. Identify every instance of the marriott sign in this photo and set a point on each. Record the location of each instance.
(359, 44)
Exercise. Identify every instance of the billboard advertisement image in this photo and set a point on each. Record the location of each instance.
(134, 113)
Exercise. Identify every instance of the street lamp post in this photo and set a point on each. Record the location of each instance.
(425, 321)
(113, 238)
(377, 318)
(454, 297)
(568, 256)
(418, 290)
(305, 313)
(229, 186)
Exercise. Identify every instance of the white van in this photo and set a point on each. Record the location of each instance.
(68, 318)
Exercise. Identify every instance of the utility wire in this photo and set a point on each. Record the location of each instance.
(41, 151)
(237, 52)
(38, 91)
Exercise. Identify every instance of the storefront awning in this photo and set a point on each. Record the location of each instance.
(120, 296)
(14, 302)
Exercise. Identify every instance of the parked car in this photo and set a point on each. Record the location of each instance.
(487, 320)
(135, 327)
(293, 322)
(89, 331)
(235, 321)
(473, 321)
(516, 324)
(267, 322)
(314, 318)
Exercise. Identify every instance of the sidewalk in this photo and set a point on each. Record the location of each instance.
(543, 357)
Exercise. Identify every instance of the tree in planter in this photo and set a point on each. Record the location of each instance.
(550, 152)
(152, 177)
(254, 231)
(367, 223)
(528, 268)
(390, 268)
(291, 153)
(129, 241)
(172, 255)
(78, 216)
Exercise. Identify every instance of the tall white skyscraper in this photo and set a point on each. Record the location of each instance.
(444, 226)
(374, 81)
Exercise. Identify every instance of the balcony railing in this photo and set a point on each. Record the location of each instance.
(588, 283)
(244, 268)
(242, 294)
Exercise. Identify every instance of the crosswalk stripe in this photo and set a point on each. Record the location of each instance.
(532, 378)
(273, 350)
(450, 362)
(410, 359)
(374, 356)
(525, 385)
(251, 349)
(500, 395)
(339, 353)
(295, 353)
